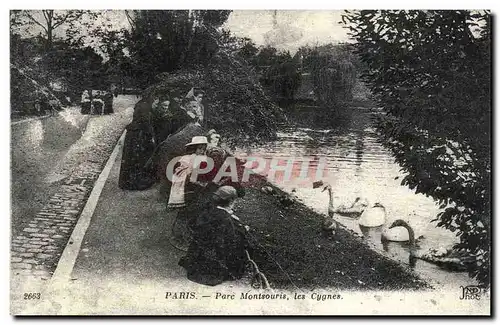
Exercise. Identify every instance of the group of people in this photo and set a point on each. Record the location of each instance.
(156, 116)
(205, 227)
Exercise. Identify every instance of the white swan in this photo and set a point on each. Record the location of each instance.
(373, 217)
(396, 234)
(355, 210)
(369, 217)
(446, 258)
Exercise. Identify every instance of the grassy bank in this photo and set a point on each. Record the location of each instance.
(291, 238)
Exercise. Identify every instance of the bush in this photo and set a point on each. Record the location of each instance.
(238, 105)
(235, 103)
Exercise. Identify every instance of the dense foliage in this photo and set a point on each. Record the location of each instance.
(280, 73)
(30, 78)
(333, 70)
(45, 67)
(431, 72)
(238, 104)
(235, 103)
(167, 40)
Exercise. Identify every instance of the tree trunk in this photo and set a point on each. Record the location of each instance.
(49, 14)
(49, 38)
(91, 99)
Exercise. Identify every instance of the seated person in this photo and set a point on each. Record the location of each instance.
(193, 105)
(182, 171)
(219, 156)
(186, 196)
(217, 251)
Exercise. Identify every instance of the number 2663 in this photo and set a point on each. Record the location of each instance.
(32, 295)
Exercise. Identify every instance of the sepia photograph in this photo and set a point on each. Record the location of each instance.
(250, 162)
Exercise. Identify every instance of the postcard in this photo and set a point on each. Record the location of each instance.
(237, 162)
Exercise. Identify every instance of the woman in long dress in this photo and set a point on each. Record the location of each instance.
(174, 128)
(138, 147)
(186, 193)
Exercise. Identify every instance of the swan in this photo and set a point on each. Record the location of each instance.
(446, 258)
(331, 208)
(329, 226)
(368, 216)
(355, 210)
(399, 231)
(374, 216)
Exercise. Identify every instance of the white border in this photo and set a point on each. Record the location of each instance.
(216, 4)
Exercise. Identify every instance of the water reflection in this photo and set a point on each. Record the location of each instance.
(357, 165)
(401, 252)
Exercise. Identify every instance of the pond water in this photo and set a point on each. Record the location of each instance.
(357, 165)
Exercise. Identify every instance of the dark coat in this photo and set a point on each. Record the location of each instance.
(169, 121)
(217, 251)
(137, 148)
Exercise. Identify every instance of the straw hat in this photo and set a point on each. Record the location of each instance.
(198, 140)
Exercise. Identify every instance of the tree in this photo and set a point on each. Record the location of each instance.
(334, 69)
(167, 40)
(47, 20)
(430, 70)
(248, 50)
(235, 102)
(333, 74)
(281, 74)
(89, 75)
(265, 57)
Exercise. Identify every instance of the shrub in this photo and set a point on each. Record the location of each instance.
(235, 103)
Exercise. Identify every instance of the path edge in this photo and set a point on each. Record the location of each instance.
(68, 258)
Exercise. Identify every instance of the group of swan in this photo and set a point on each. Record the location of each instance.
(398, 231)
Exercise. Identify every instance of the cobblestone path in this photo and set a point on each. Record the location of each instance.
(36, 249)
